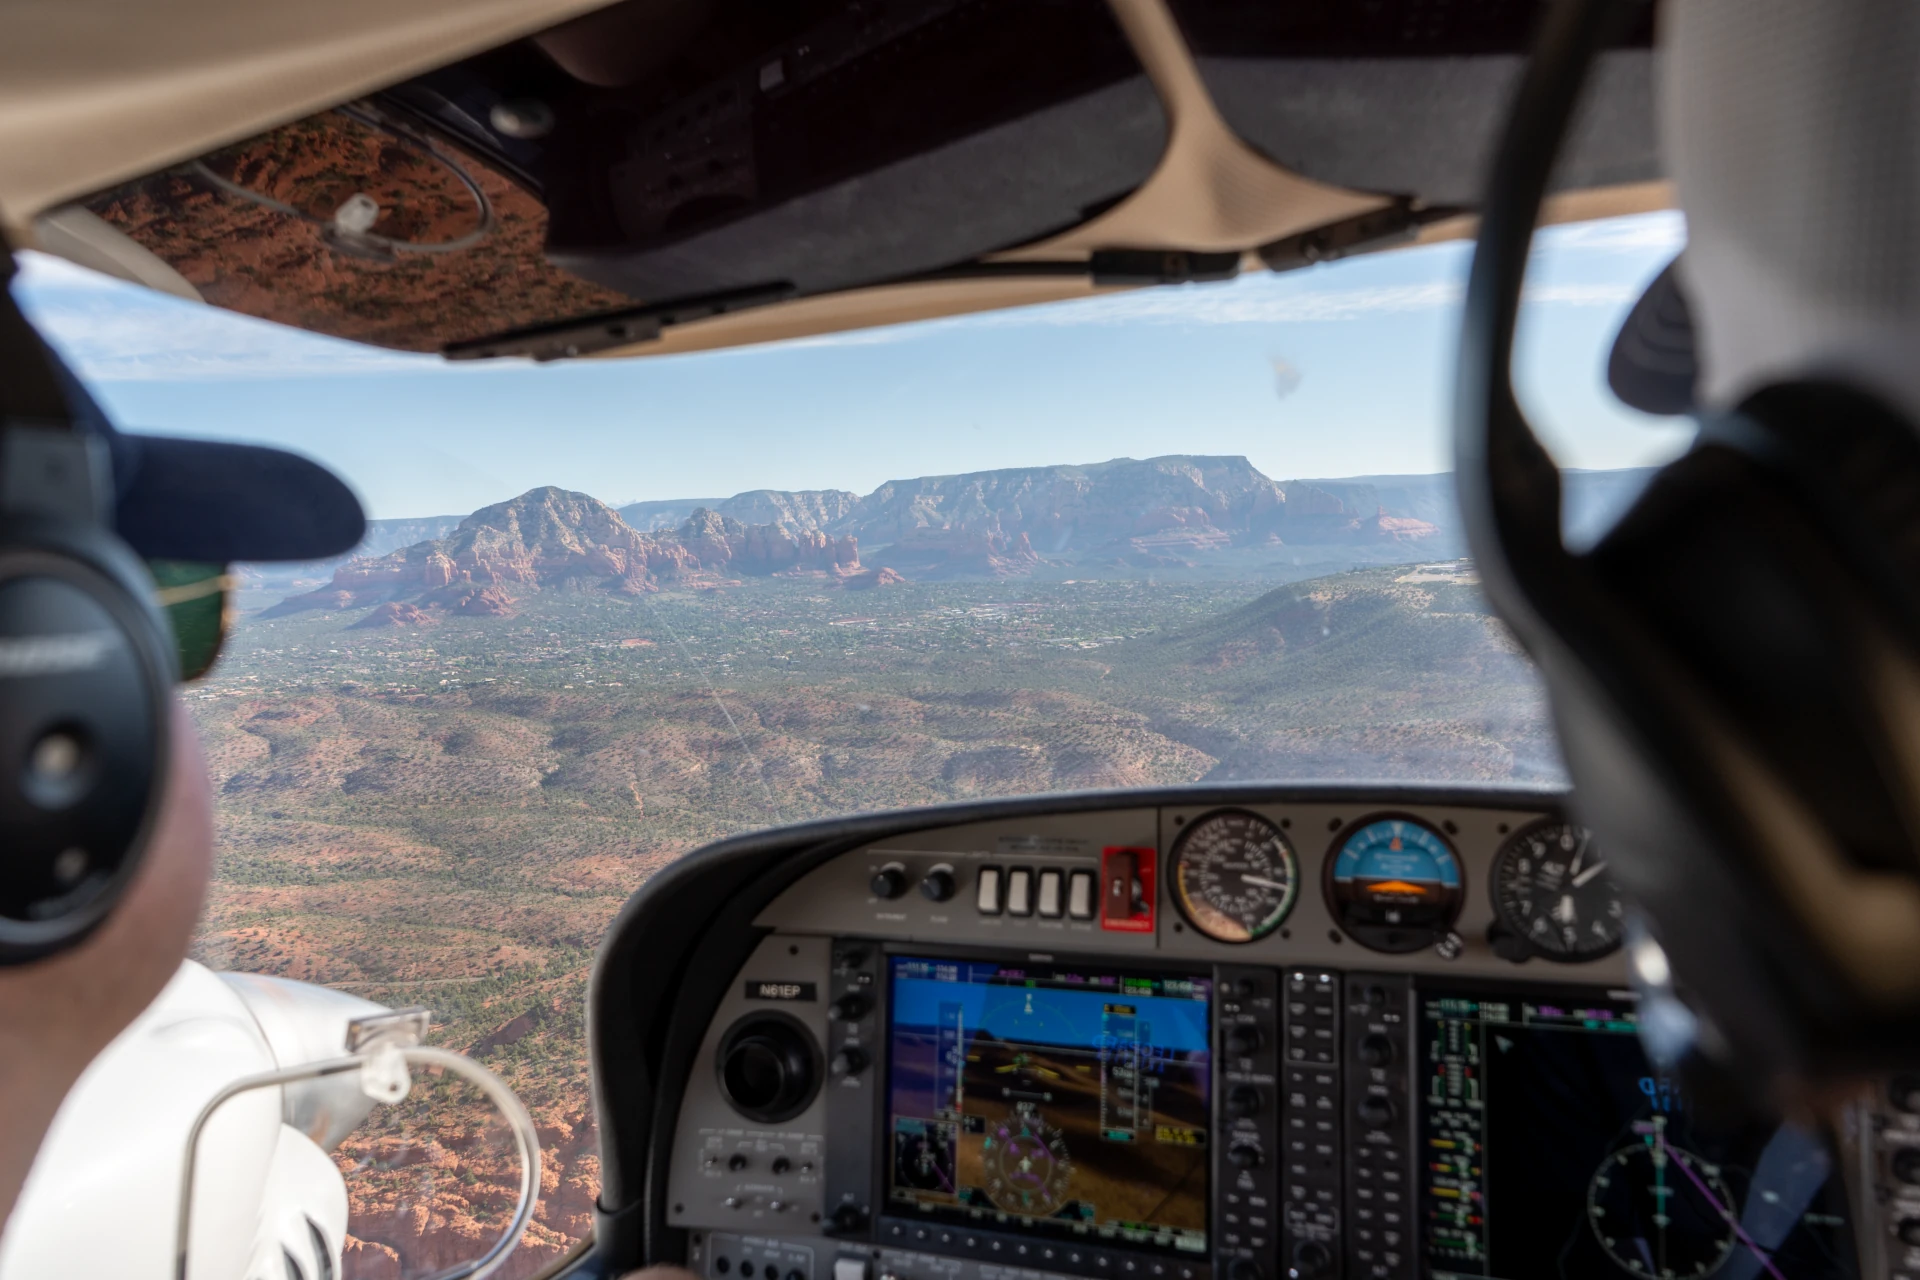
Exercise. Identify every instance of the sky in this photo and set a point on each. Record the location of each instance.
(1337, 370)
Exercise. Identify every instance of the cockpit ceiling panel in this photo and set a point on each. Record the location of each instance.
(771, 150)
(1426, 124)
(1407, 96)
(662, 166)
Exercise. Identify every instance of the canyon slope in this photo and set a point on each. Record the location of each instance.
(550, 539)
(1157, 513)
(1180, 515)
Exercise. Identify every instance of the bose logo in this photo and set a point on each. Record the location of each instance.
(55, 655)
(782, 991)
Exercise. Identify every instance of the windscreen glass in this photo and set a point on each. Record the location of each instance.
(608, 612)
(1063, 1102)
(1552, 1147)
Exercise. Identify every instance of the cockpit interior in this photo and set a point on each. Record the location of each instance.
(1653, 1015)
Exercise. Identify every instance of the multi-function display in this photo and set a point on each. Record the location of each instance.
(1051, 1099)
(1549, 1147)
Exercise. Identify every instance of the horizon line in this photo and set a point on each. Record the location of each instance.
(710, 503)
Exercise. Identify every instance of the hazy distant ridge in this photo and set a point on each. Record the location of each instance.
(1155, 511)
(1218, 515)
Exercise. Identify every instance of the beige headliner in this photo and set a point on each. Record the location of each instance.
(95, 92)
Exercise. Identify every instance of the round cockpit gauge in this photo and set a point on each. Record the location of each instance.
(1659, 1211)
(1234, 875)
(1553, 896)
(1394, 883)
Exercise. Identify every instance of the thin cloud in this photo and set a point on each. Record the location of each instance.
(1639, 233)
(117, 332)
(1265, 301)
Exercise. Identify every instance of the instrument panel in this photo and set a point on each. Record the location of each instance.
(1297, 882)
(1304, 1037)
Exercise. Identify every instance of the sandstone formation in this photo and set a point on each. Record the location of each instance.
(395, 614)
(1168, 513)
(868, 579)
(551, 539)
(797, 509)
(950, 552)
(1158, 513)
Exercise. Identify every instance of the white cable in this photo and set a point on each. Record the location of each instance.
(525, 1137)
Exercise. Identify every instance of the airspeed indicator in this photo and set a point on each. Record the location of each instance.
(1234, 876)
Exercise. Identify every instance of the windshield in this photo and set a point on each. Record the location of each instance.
(610, 611)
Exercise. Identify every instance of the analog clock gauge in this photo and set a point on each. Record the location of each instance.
(1553, 895)
(1394, 883)
(1234, 875)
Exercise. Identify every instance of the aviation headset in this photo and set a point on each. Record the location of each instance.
(1734, 670)
(86, 662)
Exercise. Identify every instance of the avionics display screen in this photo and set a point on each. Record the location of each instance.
(1051, 1099)
(1550, 1147)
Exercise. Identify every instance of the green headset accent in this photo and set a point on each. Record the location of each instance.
(196, 600)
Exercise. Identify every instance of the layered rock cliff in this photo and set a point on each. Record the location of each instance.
(550, 539)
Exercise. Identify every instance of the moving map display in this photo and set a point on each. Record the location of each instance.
(1051, 1099)
(1550, 1147)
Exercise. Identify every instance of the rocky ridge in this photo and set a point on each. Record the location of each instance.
(550, 539)
(1154, 513)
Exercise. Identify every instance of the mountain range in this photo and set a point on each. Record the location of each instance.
(1126, 511)
(550, 539)
(1172, 514)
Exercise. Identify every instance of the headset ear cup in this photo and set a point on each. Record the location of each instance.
(1762, 588)
(1754, 678)
(86, 673)
(1858, 459)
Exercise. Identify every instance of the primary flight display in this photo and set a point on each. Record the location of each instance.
(1049, 1099)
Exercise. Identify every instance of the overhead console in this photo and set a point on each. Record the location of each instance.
(1308, 1037)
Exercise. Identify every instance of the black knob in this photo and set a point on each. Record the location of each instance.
(853, 958)
(769, 1068)
(795, 1274)
(1509, 945)
(889, 881)
(1243, 1155)
(1908, 1231)
(1377, 1112)
(939, 884)
(1310, 1258)
(736, 1162)
(849, 1062)
(1244, 1040)
(1376, 1050)
(1375, 996)
(1904, 1092)
(1243, 1101)
(1245, 1269)
(780, 1164)
(852, 1006)
(849, 1218)
(1906, 1164)
(1246, 989)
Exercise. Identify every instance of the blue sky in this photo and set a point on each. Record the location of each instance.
(1332, 371)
